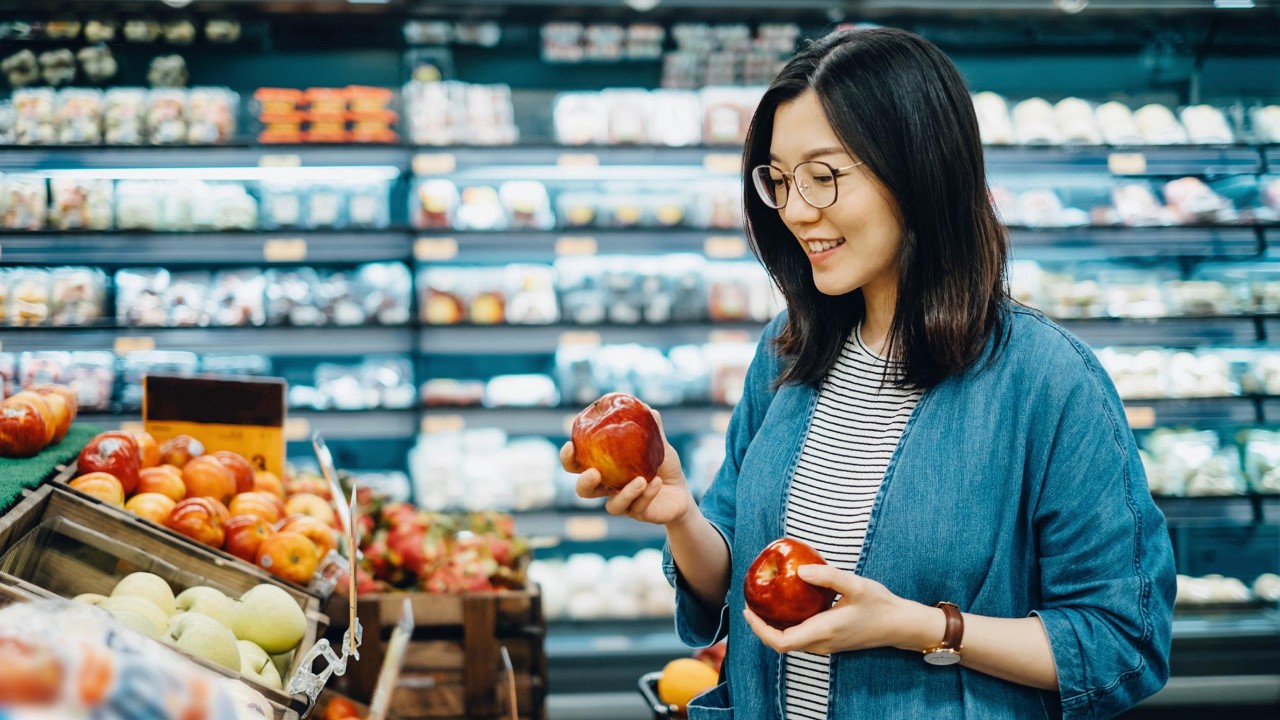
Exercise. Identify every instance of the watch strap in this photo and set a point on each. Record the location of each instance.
(954, 633)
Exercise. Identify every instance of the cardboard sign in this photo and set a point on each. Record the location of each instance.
(243, 415)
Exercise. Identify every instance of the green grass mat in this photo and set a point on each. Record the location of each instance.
(16, 474)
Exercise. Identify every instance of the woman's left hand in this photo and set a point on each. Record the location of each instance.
(866, 616)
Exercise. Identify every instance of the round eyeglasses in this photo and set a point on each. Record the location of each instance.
(815, 180)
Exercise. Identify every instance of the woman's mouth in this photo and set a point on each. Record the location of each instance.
(819, 246)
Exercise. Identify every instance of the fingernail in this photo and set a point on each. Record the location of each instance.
(805, 572)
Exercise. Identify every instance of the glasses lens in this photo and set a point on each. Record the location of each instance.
(771, 186)
(816, 182)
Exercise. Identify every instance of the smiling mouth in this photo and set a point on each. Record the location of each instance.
(817, 246)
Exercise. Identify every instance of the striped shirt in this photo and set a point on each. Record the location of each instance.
(855, 428)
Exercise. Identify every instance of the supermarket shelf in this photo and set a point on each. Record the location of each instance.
(1272, 155)
(1237, 510)
(1166, 160)
(555, 422)
(1233, 241)
(275, 341)
(71, 157)
(517, 246)
(333, 424)
(1145, 414)
(203, 248)
(1271, 410)
(544, 339)
(1271, 329)
(590, 525)
(1167, 331)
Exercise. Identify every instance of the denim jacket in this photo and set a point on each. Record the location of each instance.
(1016, 489)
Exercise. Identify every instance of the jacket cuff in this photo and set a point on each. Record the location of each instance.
(696, 624)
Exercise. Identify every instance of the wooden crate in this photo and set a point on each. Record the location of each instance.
(118, 544)
(453, 667)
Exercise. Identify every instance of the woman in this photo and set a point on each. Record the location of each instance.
(935, 442)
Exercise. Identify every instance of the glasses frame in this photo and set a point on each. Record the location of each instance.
(789, 179)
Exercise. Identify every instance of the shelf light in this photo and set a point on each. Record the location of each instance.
(603, 172)
(350, 173)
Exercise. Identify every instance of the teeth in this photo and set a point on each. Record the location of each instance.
(817, 246)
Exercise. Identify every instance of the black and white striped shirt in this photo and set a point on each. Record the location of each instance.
(855, 428)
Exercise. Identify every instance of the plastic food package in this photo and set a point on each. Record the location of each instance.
(1176, 456)
(124, 112)
(448, 392)
(1159, 127)
(531, 294)
(1201, 297)
(1137, 374)
(627, 116)
(994, 123)
(1040, 208)
(211, 115)
(140, 297)
(337, 298)
(36, 116)
(81, 204)
(187, 299)
(480, 209)
(675, 118)
(1262, 460)
(139, 204)
(577, 209)
(582, 290)
(79, 117)
(1193, 202)
(1137, 205)
(368, 206)
(78, 296)
(720, 205)
(581, 119)
(1206, 125)
(1035, 123)
(256, 365)
(24, 202)
(441, 296)
(726, 113)
(527, 205)
(91, 375)
(282, 205)
(521, 391)
(434, 203)
(43, 367)
(231, 208)
(1118, 125)
(236, 298)
(1263, 375)
(729, 362)
(166, 117)
(326, 207)
(1076, 123)
(1266, 123)
(30, 297)
(4, 296)
(453, 113)
(385, 291)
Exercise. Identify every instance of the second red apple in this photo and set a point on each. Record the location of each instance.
(773, 588)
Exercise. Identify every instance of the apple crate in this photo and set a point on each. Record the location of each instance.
(55, 543)
(453, 667)
(321, 587)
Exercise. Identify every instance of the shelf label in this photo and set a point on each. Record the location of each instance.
(580, 337)
(1141, 418)
(728, 163)
(586, 528)
(296, 429)
(578, 160)
(434, 163)
(720, 421)
(285, 250)
(442, 424)
(280, 160)
(725, 247)
(728, 336)
(132, 426)
(134, 343)
(1127, 163)
(428, 249)
(570, 245)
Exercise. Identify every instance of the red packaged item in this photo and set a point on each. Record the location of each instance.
(277, 101)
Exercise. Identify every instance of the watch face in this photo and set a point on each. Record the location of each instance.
(942, 657)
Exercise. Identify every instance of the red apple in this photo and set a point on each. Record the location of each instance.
(313, 505)
(197, 518)
(22, 429)
(114, 452)
(180, 450)
(264, 481)
(205, 476)
(239, 467)
(773, 588)
(244, 535)
(618, 436)
(163, 479)
(713, 655)
(62, 403)
(148, 449)
(317, 532)
(308, 485)
(152, 506)
(103, 486)
(290, 556)
(264, 505)
(40, 405)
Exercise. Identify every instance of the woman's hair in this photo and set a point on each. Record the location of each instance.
(898, 104)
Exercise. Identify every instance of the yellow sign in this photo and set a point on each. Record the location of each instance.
(262, 446)
(243, 415)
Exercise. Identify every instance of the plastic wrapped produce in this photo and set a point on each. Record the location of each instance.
(42, 368)
(1040, 208)
(1206, 125)
(1035, 123)
(166, 117)
(4, 296)
(627, 117)
(1206, 374)
(1262, 460)
(529, 390)
(140, 297)
(326, 207)
(187, 299)
(480, 209)
(368, 206)
(449, 392)
(729, 362)
(1193, 202)
(1177, 456)
(1137, 205)
(720, 205)
(236, 298)
(675, 118)
(994, 122)
(232, 208)
(338, 299)
(1158, 126)
(726, 113)
(91, 375)
(211, 115)
(442, 297)
(124, 116)
(1137, 374)
(581, 119)
(24, 202)
(283, 204)
(1266, 123)
(385, 291)
(35, 116)
(1076, 122)
(81, 204)
(79, 117)
(527, 205)
(434, 204)
(1135, 293)
(1263, 375)
(390, 381)
(531, 294)
(30, 297)
(1117, 124)
(1219, 475)
(1266, 587)
(1201, 297)
(139, 204)
(577, 209)
(79, 295)
(575, 374)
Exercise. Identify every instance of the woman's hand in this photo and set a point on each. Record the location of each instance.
(866, 616)
(659, 500)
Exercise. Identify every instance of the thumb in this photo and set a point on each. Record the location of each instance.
(829, 577)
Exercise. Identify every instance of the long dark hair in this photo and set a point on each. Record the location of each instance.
(899, 105)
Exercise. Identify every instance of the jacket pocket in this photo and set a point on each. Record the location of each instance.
(713, 704)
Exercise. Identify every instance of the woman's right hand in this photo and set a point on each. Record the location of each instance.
(659, 500)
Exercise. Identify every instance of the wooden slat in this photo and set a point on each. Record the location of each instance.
(430, 655)
(447, 698)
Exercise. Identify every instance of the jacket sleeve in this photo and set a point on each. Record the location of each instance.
(1106, 561)
(697, 624)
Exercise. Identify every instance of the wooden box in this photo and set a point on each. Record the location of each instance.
(453, 668)
(89, 551)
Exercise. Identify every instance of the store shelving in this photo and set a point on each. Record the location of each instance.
(544, 339)
(275, 341)
(555, 422)
(88, 159)
(379, 423)
(125, 248)
(1203, 241)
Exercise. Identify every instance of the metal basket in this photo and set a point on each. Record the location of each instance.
(649, 690)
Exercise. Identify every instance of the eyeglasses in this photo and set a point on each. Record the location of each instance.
(815, 180)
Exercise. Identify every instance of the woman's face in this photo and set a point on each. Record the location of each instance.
(854, 243)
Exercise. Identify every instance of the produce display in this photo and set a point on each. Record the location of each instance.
(353, 114)
(121, 116)
(457, 113)
(241, 634)
(35, 418)
(217, 499)
(588, 586)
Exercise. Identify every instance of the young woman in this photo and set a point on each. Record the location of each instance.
(943, 448)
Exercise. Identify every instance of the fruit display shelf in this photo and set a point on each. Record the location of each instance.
(285, 341)
(333, 424)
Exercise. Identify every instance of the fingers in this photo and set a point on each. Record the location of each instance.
(808, 635)
(569, 459)
(620, 504)
(841, 581)
(651, 490)
(588, 485)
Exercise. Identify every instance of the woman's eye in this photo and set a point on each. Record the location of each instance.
(823, 179)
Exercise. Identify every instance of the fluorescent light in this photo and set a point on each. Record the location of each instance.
(360, 173)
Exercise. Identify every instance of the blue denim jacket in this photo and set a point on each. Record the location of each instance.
(1016, 489)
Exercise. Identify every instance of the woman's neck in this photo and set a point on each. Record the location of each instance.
(879, 300)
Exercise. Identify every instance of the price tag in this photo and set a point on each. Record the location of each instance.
(728, 336)
(720, 421)
(578, 160)
(1127, 163)
(297, 428)
(134, 343)
(428, 249)
(132, 426)
(569, 245)
(442, 424)
(586, 528)
(434, 163)
(285, 250)
(724, 247)
(580, 337)
(1141, 418)
(280, 160)
(728, 163)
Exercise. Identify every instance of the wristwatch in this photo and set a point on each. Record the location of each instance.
(947, 652)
